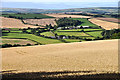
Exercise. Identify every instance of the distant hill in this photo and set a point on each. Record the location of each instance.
(95, 10)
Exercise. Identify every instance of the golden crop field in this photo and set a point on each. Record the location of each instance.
(64, 15)
(104, 24)
(109, 19)
(96, 56)
(42, 22)
(13, 23)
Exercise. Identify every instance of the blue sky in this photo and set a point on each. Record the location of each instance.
(60, 0)
(58, 4)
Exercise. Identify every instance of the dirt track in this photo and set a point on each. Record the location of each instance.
(99, 56)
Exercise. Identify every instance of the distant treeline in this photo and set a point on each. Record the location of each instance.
(85, 14)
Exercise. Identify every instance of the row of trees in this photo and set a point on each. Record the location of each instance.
(15, 45)
(35, 31)
(85, 14)
(51, 27)
(15, 17)
(62, 22)
(111, 34)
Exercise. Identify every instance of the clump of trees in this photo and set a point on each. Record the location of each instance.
(111, 34)
(49, 26)
(62, 22)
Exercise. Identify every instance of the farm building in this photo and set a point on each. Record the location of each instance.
(85, 26)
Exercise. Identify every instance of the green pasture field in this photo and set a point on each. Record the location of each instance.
(95, 34)
(92, 30)
(72, 33)
(47, 34)
(28, 16)
(87, 34)
(32, 37)
(70, 30)
(86, 22)
(7, 41)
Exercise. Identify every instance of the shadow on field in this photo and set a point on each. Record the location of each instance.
(62, 75)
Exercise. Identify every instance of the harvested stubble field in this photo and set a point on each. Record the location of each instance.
(14, 23)
(109, 19)
(96, 57)
(104, 24)
(64, 15)
(42, 22)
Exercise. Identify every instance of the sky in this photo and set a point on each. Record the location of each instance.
(60, 0)
(58, 4)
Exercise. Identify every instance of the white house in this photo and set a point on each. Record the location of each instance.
(85, 26)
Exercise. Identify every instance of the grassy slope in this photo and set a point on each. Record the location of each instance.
(86, 22)
(31, 37)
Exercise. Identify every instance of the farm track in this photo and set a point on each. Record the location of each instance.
(98, 56)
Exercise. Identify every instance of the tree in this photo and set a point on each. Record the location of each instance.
(33, 31)
(36, 25)
(50, 26)
(24, 31)
(55, 27)
(47, 26)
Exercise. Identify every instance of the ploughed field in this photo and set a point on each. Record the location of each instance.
(42, 22)
(94, 56)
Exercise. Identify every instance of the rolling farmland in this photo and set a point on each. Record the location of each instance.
(96, 56)
(68, 48)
